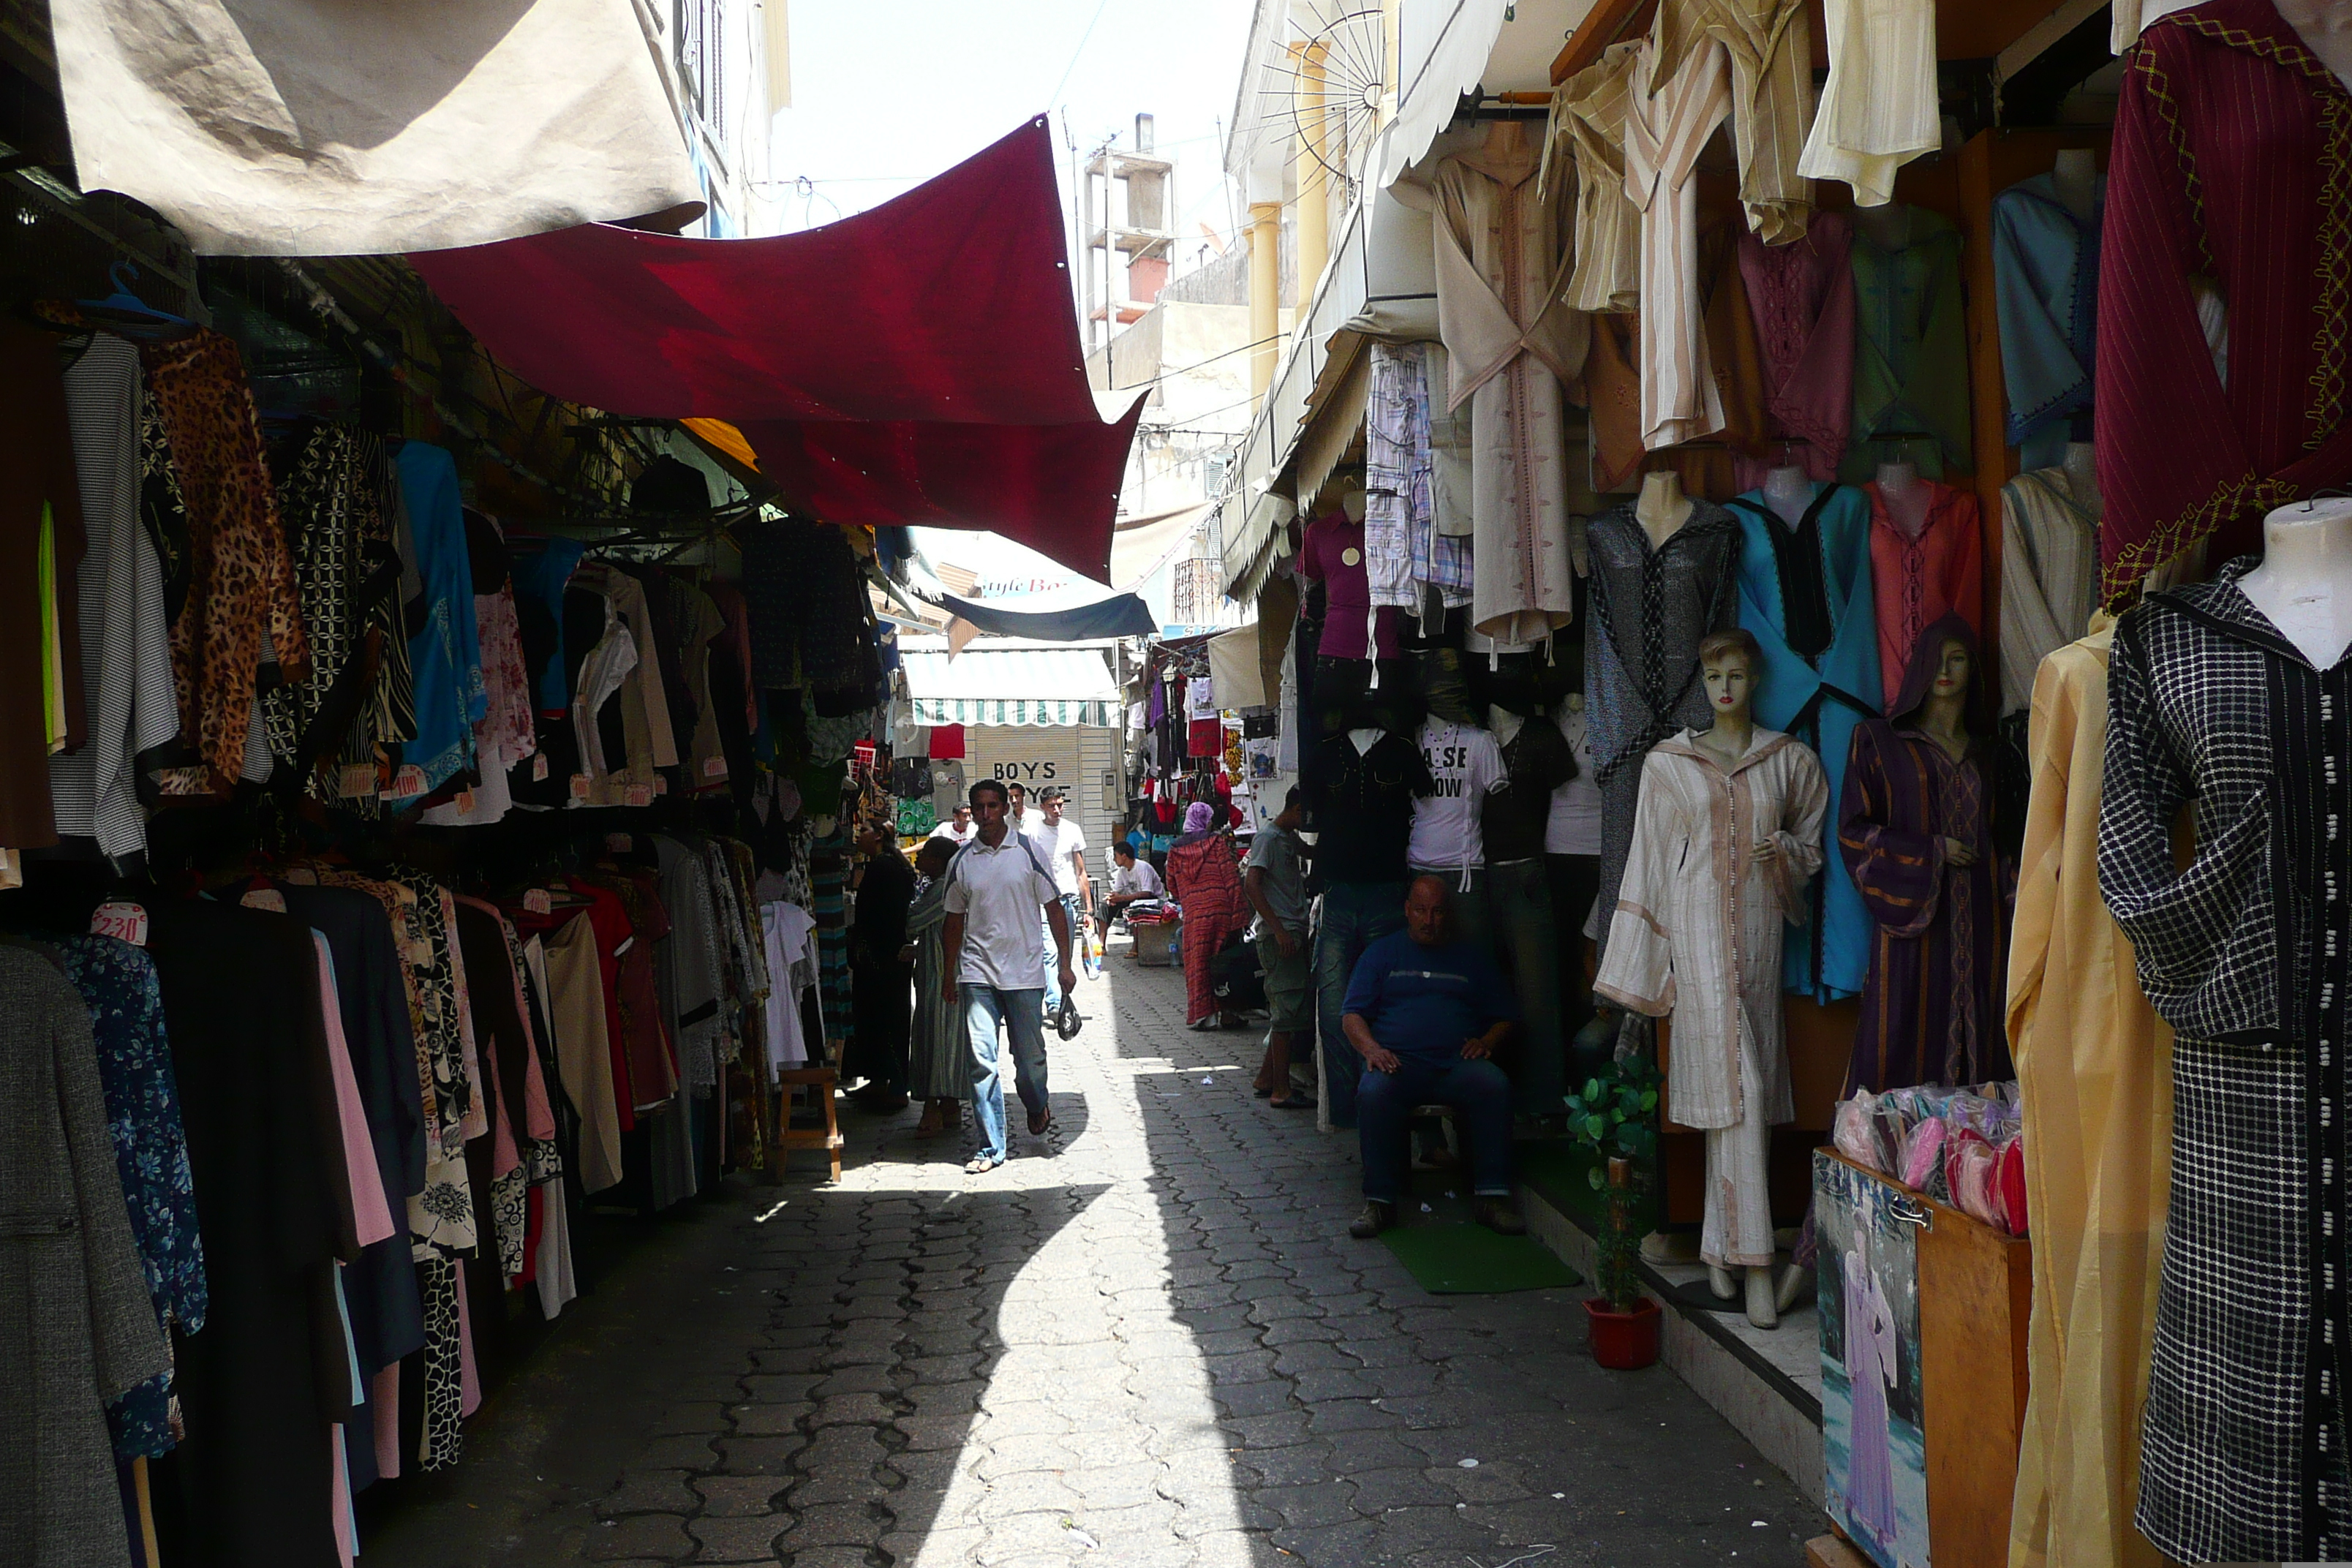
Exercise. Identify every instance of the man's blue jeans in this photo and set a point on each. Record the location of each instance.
(1023, 1017)
(1355, 915)
(1053, 964)
(1480, 1095)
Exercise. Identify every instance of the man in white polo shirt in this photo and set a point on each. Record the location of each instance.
(997, 885)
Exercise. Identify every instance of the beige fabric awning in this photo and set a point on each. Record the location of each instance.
(322, 127)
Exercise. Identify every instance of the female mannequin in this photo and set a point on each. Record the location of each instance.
(1915, 829)
(1727, 905)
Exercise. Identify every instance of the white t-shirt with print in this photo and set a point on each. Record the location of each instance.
(1468, 766)
(1002, 893)
(947, 831)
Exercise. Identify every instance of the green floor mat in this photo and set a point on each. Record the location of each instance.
(1471, 1260)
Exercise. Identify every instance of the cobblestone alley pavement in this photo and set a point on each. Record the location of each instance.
(1156, 1345)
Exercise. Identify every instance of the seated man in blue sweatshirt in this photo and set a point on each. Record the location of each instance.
(1426, 1012)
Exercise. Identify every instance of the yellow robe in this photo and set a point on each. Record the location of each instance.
(2095, 1066)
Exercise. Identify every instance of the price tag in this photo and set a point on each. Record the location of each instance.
(618, 844)
(536, 900)
(408, 781)
(580, 786)
(124, 922)
(464, 803)
(640, 794)
(661, 784)
(356, 780)
(268, 898)
(539, 768)
(714, 767)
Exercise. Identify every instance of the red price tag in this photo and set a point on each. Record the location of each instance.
(124, 922)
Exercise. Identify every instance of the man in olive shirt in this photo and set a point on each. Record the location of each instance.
(1277, 886)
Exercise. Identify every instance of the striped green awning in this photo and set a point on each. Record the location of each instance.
(1013, 710)
(1044, 686)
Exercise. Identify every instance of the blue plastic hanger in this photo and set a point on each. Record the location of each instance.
(123, 301)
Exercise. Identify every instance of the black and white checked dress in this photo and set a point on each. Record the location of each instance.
(2248, 954)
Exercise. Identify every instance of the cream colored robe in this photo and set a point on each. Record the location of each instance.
(2095, 1065)
(1501, 252)
(1664, 129)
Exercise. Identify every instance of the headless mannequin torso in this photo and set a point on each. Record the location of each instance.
(2304, 585)
(2082, 469)
(1789, 491)
(1661, 508)
(1907, 499)
(2075, 179)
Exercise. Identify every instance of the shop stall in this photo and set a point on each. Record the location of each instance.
(1783, 563)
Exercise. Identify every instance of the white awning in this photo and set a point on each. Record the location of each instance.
(998, 680)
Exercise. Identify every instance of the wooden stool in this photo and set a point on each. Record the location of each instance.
(789, 1137)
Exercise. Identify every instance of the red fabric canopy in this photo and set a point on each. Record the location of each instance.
(917, 363)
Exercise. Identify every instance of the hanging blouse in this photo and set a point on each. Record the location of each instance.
(1801, 297)
(2045, 270)
(2225, 174)
(1910, 358)
(343, 562)
(1771, 43)
(1588, 124)
(126, 657)
(1879, 109)
(151, 1156)
(1917, 581)
(445, 652)
(39, 501)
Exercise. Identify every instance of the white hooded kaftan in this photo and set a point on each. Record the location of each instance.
(1697, 933)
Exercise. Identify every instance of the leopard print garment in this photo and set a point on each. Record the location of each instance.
(241, 579)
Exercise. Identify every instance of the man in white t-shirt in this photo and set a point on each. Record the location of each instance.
(1131, 878)
(957, 829)
(997, 885)
(1448, 837)
(1063, 843)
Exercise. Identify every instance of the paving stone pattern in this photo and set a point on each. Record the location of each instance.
(1147, 1341)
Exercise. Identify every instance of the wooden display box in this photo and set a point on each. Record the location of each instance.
(1156, 945)
(1976, 1286)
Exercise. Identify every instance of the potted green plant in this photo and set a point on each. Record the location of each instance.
(1616, 1119)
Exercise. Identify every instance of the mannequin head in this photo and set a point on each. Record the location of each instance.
(1729, 663)
(1940, 689)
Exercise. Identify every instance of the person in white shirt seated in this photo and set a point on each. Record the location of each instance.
(959, 829)
(1131, 878)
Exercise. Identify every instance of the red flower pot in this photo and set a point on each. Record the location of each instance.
(1624, 1342)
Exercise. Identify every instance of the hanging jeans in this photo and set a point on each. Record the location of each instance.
(1355, 915)
(1022, 1014)
(1481, 1096)
(1519, 919)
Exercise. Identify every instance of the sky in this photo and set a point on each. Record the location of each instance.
(887, 93)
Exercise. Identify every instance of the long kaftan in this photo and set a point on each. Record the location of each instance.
(1696, 933)
(1510, 342)
(1666, 127)
(1649, 606)
(1805, 594)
